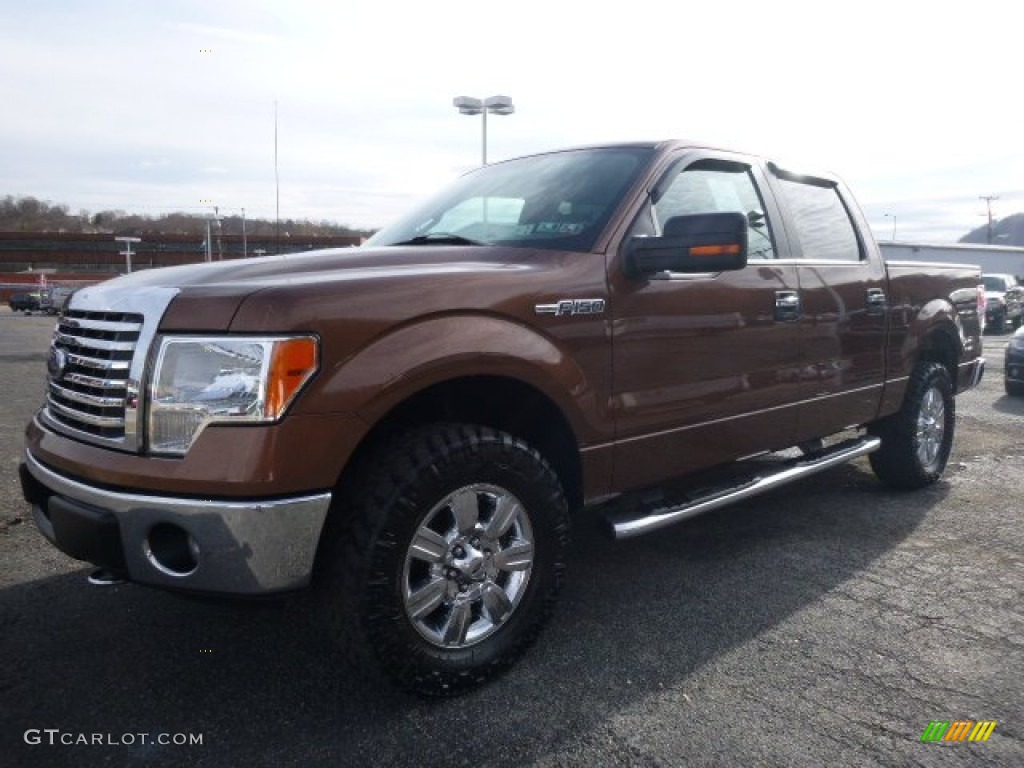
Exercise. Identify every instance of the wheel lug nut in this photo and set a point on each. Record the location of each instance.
(475, 542)
(458, 551)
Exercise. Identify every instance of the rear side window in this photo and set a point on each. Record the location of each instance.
(822, 222)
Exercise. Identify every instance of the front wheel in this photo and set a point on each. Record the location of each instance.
(917, 440)
(450, 559)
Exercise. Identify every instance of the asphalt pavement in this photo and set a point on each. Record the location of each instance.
(827, 623)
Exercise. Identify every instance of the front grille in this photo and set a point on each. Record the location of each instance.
(89, 371)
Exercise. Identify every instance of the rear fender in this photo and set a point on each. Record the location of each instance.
(933, 332)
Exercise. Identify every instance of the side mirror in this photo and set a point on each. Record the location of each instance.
(703, 242)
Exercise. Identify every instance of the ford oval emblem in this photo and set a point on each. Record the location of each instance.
(57, 363)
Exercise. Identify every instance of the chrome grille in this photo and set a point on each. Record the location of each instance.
(90, 364)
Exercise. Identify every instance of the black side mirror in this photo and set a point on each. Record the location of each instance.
(703, 242)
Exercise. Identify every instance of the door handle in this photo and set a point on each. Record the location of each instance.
(876, 301)
(787, 306)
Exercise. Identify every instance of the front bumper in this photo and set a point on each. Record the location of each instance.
(240, 547)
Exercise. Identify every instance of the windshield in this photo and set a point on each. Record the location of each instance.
(995, 283)
(561, 200)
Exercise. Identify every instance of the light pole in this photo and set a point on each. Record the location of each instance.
(893, 217)
(209, 241)
(496, 105)
(127, 252)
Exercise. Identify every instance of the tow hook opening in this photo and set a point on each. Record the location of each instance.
(171, 550)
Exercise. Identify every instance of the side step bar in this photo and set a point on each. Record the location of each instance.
(663, 516)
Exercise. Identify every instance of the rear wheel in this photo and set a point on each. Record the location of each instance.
(917, 440)
(450, 558)
(1014, 389)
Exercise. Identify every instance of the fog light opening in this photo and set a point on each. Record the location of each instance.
(171, 550)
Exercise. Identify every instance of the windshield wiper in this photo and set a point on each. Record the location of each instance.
(439, 238)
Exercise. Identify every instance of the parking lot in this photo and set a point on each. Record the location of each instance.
(824, 624)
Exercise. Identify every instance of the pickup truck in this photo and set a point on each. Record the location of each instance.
(25, 302)
(1004, 298)
(643, 331)
(47, 300)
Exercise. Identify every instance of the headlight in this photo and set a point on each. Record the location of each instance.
(230, 379)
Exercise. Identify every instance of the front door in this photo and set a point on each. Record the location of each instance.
(706, 368)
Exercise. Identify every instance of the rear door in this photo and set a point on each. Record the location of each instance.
(844, 303)
(706, 367)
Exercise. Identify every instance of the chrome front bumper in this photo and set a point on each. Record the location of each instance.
(250, 547)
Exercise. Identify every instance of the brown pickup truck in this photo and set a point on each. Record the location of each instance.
(645, 331)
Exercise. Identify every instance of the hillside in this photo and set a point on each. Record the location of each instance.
(1008, 230)
(27, 214)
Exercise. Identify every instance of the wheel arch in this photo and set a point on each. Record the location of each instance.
(479, 369)
(502, 403)
(942, 345)
(935, 334)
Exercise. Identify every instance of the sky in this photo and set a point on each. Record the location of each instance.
(153, 107)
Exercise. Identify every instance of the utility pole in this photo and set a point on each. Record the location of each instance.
(988, 204)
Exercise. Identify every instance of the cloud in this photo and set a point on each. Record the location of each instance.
(106, 99)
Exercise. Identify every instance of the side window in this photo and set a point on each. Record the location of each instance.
(822, 221)
(715, 186)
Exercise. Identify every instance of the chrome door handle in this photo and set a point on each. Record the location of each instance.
(876, 301)
(787, 306)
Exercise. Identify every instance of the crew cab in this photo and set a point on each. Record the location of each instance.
(406, 426)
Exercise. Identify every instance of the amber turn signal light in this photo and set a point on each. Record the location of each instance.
(294, 362)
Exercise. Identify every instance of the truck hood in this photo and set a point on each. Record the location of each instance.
(248, 275)
(208, 295)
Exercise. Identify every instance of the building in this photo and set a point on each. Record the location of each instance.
(75, 260)
(992, 259)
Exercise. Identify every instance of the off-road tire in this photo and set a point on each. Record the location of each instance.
(367, 555)
(916, 441)
(1014, 388)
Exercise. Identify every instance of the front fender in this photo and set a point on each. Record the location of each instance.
(410, 358)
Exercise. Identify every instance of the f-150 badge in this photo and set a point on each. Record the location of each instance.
(571, 307)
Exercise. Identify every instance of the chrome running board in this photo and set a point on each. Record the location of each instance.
(661, 515)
